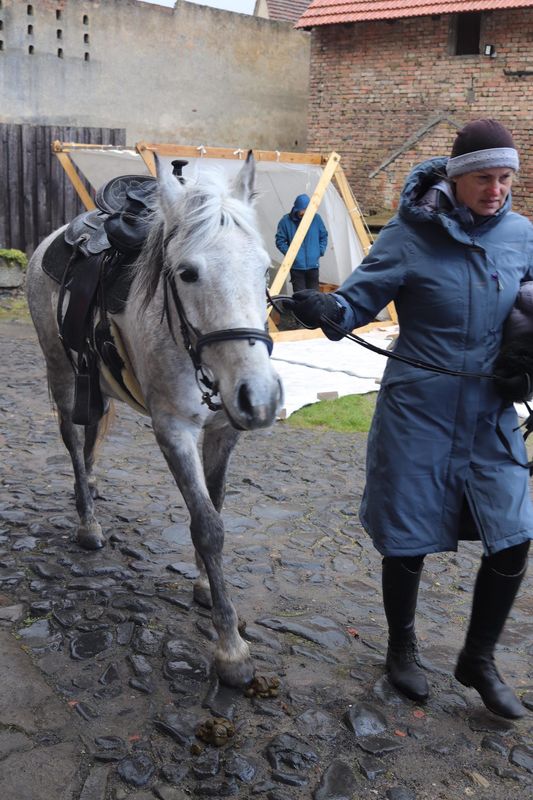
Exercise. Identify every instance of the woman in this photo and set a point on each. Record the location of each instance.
(452, 259)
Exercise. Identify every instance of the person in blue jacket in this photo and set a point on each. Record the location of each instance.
(452, 260)
(304, 271)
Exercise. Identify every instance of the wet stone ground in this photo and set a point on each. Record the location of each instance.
(117, 641)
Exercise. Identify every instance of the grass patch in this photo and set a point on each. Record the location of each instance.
(352, 413)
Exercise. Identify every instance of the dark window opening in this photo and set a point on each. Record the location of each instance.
(58, 13)
(468, 33)
(1, 45)
(85, 19)
(86, 38)
(30, 50)
(30, 30)
(29, 11)
(59, 52)
(86, 57)
(59, 33)
(1, 25)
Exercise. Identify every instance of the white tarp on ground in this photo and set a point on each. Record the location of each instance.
(277, 185)
(315, 366)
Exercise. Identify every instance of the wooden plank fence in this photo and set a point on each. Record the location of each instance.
(36, 196)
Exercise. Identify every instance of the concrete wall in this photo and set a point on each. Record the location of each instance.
(191, 75)
(386, 96)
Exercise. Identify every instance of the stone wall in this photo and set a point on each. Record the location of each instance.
(387, 96)
(190, 75)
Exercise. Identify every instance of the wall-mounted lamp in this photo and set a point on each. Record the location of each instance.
(489, 50)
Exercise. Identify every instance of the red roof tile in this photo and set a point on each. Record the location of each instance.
(333, 12)
(286, 10)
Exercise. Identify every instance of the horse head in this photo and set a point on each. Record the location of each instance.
(214, 269)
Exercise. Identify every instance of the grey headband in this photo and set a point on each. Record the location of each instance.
(483, 159)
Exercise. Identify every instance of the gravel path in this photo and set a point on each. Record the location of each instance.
(106, 660)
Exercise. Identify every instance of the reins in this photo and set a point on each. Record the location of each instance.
(415, 362)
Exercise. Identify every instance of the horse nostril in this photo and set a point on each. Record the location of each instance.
(243, 399)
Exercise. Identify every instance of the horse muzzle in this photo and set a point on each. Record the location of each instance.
(254, 403)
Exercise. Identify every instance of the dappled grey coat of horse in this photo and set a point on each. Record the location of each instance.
(203, 243)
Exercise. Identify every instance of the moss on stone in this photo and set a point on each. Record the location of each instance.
(15, 255)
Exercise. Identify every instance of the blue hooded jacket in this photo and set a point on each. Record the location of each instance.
(315, 241)
(433, 440)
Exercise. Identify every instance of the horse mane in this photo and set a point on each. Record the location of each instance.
(202, 212)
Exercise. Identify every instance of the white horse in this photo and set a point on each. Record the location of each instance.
(196, 311)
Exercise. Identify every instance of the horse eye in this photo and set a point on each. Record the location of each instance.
(189, 275)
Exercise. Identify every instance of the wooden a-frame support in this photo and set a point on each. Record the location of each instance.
(331, 169)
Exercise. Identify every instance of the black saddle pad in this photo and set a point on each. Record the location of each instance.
(56, 257)
(118, 273)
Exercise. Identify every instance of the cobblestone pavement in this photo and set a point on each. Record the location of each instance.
(105, 659)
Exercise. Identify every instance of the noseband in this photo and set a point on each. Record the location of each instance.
(195, 341)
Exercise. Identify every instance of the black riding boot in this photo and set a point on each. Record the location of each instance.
(400, 592)
(494, 594)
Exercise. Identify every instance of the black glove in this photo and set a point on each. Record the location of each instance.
(513, 370)
(516, 389)
(309, 307)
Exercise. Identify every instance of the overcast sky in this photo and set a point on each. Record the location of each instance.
(241, 6)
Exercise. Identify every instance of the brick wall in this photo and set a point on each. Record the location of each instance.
(386, 96)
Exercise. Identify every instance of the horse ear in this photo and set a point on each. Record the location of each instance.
(243, 187)
(169, 188)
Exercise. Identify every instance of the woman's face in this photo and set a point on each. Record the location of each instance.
(485, 191)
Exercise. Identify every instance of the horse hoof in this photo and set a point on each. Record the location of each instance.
(238, 674)
(202, 595)
(90, 537)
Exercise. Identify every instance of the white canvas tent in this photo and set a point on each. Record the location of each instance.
(278, 183)
(309, 365)
(280, 177)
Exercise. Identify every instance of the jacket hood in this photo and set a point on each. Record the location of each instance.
(300, 203)
(419, 181)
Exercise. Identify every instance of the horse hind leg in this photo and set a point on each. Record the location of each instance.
(94, 436)
(89, 533)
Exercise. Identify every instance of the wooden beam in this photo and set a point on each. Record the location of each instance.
(65, 147)
(353, 209)
(148, 157)
(305, 224)
(189, 151)
(391, 308)
(66, 162)
(359, 224)
(304, 334)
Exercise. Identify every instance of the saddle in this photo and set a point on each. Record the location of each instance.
(92, 260)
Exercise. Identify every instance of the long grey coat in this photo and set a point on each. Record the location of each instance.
(433, 443)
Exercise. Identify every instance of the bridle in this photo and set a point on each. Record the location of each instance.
(195, 341)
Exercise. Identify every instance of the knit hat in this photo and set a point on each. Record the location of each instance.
(482, 144)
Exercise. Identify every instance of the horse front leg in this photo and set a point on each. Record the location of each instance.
(218, 444)
(179, 446)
